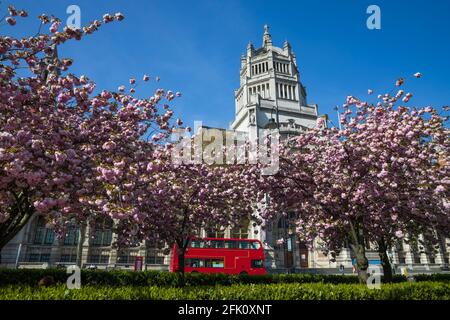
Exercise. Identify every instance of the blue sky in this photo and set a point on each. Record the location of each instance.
(195, 47)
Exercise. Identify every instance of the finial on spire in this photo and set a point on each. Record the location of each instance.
(250, 49)
(287, 47)
(267, 38)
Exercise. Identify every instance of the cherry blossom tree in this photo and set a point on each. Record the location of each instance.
(67, 152)
(382, 176)
(189, 197)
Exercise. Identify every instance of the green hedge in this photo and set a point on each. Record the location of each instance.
(439, 277)
(286, 291)
(159, 278)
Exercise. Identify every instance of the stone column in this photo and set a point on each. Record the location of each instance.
(113, 253)
(85, 245)
(423, 253)
(344, 258)
(441, 252)
(143, 253)
(409, 259)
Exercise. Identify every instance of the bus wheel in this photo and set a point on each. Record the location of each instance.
(243, 273)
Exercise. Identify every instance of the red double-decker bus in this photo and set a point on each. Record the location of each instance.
(219, 255)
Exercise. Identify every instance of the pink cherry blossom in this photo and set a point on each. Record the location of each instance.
(119, 16)
(108, 18)
(11, 21)
(399, 234)
(378, 176)
(71, 154)
(54, 27)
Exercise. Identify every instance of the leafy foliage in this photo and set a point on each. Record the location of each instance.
(31, 277)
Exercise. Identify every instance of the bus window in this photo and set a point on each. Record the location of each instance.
(195, 244)
(194, 263)
(255, 245)
(243, 244)
(217, 264)
(217, 244)
(199, 244)
(206, 244)
(257, 264)
(214, 263)
(230, 244)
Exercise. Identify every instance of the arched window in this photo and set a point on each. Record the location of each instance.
(42, 234)
(101, 234)
(71, 236)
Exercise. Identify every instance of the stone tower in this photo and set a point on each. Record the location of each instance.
(270, 93)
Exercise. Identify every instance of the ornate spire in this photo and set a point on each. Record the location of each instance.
(287, 47)
(267, 38)
(250, 49)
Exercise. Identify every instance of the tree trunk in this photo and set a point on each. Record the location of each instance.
(362, 264)
(181, 252)
(81, 238)
(385, 263)
(19, 215)
(357, 244)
